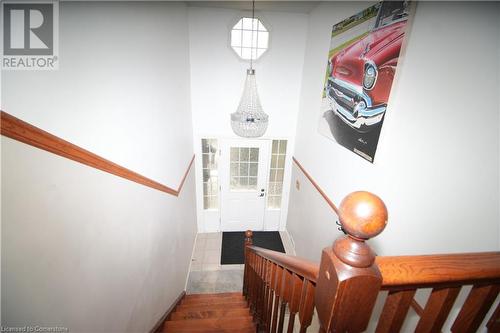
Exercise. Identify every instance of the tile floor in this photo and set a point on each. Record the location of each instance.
(207, 275)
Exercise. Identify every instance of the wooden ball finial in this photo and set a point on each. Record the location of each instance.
(248, 234)
(363, 215)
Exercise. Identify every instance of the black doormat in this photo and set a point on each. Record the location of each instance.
(233, 243)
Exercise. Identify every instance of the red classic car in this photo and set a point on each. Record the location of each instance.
(361, 75)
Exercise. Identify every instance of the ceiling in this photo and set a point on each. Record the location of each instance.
(276, 6)
(273, 6)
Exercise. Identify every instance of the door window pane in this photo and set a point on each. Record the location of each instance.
(275, 188)
(244, 168)
(244, 154)
(210, 155)
(254, 154)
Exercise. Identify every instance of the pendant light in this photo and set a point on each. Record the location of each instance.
(250, 120)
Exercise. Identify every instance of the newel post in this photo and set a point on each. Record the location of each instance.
(248, 242)
(349, 280)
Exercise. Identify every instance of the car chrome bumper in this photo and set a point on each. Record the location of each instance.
(344, 97)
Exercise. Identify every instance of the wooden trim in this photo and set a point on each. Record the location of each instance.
(159, 325)
(22, 131)
(318, 188)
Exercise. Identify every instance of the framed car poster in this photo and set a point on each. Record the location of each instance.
(362, 62)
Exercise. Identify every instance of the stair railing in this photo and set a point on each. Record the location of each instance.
(446, 274)
(273, 282)
(344, 287)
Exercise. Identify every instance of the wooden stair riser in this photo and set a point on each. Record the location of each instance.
(207, 330)
(216, 323)
(209, 298)
(195, 308)
(221, 295)
(213, 302)
(201, 307)
(207, 314)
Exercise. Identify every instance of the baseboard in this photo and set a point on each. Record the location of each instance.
(159, 325)
(191, 260)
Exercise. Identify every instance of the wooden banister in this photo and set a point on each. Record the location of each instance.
(346, 284)
(446, 274)
(299, 266)
(343, 288)
(273, 282)
(434, 270)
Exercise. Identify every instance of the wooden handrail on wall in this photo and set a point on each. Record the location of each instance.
(346, 284)
(318, 188)
(22, 131)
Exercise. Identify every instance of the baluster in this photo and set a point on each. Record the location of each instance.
(297, 283)
(253, 279)
(306, 308)
(262, 289)
(395, 309)
(272, 293)
(436, 309)
(268, 294)
(349, 280)
(475, 308)
(494, 322)
(277, 297)
(286, 287)
(258, 308)
(248, 242)
(264, 293)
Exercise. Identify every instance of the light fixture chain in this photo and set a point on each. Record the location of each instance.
(253, 30)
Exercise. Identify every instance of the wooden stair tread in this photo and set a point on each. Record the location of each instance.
(214, 298)
(191, 296)
(209, 330)
(212, 323)
(213, 301)
(235, 305)
(209, 313)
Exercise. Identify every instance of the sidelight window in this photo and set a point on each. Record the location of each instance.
(210, 155)
(276, 174)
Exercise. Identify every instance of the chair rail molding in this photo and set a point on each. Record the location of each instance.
(22, 131)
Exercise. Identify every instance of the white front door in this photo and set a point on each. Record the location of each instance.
(244, 168)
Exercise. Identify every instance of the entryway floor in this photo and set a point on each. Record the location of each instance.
(207, 275)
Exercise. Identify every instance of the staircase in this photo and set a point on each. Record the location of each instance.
(211, 313)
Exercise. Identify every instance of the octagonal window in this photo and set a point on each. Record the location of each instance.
(249, 38)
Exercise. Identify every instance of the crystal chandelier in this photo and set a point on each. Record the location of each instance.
(249, 120)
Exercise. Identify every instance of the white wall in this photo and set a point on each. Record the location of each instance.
(122, 88)
(82, 248)
(87, 250)
(437, 167)
(218, 75)
(498, 86)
